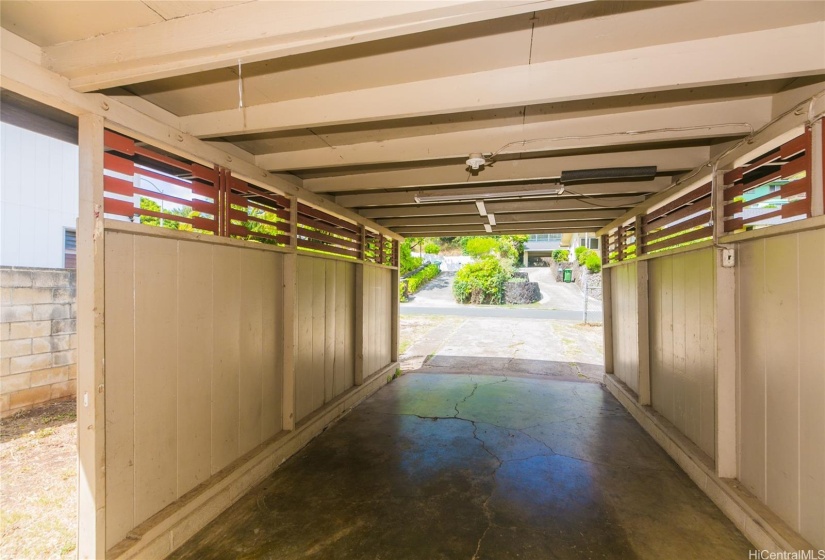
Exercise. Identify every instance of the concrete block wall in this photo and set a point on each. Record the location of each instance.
(38, 341)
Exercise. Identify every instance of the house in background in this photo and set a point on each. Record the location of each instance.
(39, 200)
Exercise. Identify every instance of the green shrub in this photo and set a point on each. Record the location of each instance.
(432, 249)
(413, 283)
(480, 246)
(561, 255)
(481, 282)
(593, 262)
(408, 262)
(581, 254)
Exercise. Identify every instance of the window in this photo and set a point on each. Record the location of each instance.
(69, 248)
(594, 243)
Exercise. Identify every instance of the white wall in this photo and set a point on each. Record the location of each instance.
(38, 197)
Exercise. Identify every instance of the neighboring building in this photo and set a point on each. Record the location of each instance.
(39, 201)
(541, 245)
(38, 196)
(589, 240)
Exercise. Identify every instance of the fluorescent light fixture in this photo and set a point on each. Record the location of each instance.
(488, 228)
(492, 219)
(489, 196)
(482, 211)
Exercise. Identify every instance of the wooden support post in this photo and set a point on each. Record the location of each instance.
(643, 331)
(607, 309)
(91, 397)
(639, 229)
(395, 313)
(817, 171)
(288, 317)
(725, 352)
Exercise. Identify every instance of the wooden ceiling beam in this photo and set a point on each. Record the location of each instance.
(736, 58)
(256, 31)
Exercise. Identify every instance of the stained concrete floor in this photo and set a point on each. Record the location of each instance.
(476, 467)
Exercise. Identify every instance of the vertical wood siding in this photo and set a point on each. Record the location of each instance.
(682, 345)
(625, 324)
(378, 301)
(781, 326)
(325, 323)
(193, 375)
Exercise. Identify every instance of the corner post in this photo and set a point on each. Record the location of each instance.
(607, 308)
(290, 276)
(91, 397)
(725, 340)
(395, 312)
(817, 179)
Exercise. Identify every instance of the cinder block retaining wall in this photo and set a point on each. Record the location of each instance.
(38, 341)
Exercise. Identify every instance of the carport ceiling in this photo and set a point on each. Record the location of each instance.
(375, 103)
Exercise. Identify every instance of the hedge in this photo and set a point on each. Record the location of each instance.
(412, 284)
(481, 282)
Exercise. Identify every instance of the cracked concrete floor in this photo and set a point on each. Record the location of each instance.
(476, 467)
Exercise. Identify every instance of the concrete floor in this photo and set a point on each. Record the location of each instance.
(460, 466)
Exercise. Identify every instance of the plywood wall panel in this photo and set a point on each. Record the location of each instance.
(120, 389)
(272, 345)
(752, 341)
(331, 293)
(625, 341)
(303, 346)
(781, 322)
(316, 373)
(226, 370)
(156, 349)
(251, 346)
(682, 322)
(782, 378)
(195, 359)
(811, 251)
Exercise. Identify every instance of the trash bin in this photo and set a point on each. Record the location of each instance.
(567, 275)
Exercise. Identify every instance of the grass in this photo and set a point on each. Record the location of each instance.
(38, 504)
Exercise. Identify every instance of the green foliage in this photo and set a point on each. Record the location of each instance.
(581, 254)
(480, 246)
(432, 248)
(593, 262)
(408, 262)
(481, 282)
(561, 255)
(421, 277)
(151, 205)
(512, 247)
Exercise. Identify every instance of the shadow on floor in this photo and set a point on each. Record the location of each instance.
(476, 467)
(567, 371)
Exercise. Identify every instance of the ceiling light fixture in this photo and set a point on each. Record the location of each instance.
(607, 173)
(489, 196)
(482, 210)
(476, 161)
(488, 228)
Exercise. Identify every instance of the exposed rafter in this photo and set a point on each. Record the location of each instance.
(408, 196)
(668, 160)
(512, 220)
(258, 31)
(700, 120)
(728, 59)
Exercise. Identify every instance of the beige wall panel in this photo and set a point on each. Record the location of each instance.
(195, 359)
(626, 348)
(681, 343)
(331, 292)
(707, 358)
(156, 354)
(812, 386)
(376, 314)
(120, 379)
(341, 318)
(349, 330)
(303, 341)
(272, 345)
(316, 373)
(782, 377)
(251, 347)
(753, 340)
(227, 332)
